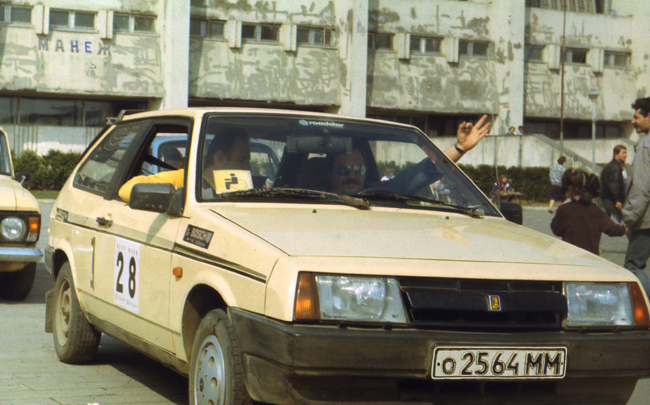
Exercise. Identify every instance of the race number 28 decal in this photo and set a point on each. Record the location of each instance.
(127, 271)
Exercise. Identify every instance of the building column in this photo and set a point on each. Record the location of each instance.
(175, 54)
(355, 56)
(509, 25)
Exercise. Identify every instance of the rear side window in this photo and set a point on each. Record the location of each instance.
(97, 172)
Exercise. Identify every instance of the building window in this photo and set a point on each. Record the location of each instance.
(15, 14)
(425, 44)
(260, 32)
(131, 23)
(75, 20)
(576, 56)
(617, 59)
(533, 53)
(473, 48)
(61, 112)
(207, 28)
(577, 6)
(380, 41)
(314, 36)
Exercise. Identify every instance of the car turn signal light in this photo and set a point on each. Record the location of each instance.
(34, 228)
(641, 318)
(306, 308)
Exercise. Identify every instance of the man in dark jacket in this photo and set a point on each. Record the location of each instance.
(612, 196)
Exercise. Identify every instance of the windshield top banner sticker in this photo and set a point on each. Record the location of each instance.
(197, 236)
(321, 123)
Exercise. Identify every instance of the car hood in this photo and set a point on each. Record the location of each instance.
(404, 234)
(13, 197)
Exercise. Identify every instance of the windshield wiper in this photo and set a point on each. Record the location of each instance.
(298, 193)
(417, 200)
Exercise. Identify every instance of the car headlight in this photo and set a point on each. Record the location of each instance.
(605, 305)
(348, 298)
(12, 228)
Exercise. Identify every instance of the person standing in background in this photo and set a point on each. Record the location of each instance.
(635, 211)
(555, 174)
(579, 221)
(612, 196)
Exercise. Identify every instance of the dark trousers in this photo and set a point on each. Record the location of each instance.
(638, 252)
(610, 209)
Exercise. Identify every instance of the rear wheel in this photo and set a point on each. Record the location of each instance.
(16, 285)
(75, 339)
(216, 371)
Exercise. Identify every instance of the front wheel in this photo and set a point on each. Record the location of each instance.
(216, 371)
(75, 339)
(16, 285)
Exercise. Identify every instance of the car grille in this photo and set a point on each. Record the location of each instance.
(466, 304)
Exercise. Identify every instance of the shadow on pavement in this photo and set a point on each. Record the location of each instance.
(42, 284)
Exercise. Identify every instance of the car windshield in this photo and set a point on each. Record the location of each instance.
(299, 158)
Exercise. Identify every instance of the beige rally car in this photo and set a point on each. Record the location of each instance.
(20, 225)
(268, 261)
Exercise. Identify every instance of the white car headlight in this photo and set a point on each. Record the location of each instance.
(598, 305)
(349, 298)
(12, 228)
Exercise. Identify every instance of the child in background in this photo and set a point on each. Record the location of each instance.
(578, 220)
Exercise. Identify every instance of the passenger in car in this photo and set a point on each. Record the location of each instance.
(228, 150)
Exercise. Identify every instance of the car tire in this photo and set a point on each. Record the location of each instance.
(75, 339)
(16, 285)
(216, 371)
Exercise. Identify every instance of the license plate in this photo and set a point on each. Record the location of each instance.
(507, 363)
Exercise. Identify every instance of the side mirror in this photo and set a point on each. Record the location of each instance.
(151, 196)
(512, 212)
(22, 177)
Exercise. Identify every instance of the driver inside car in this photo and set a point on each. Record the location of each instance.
(228, 150)
(347, 171)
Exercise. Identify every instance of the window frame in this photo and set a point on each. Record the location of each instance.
(7, 14)
(372, 41)
(471, 53)
(569, 55)
(327, 36)
(132, 23)
(423, 41)
(258, 32)
(72, 20)
(206, 28)
(611, 56)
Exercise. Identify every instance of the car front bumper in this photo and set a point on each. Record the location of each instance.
(290, 363)
(17, 254)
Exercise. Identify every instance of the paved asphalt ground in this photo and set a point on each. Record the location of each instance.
(30, 372)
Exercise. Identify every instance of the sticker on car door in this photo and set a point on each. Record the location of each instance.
(127, 270)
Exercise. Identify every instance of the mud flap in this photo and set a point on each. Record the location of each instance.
(50, 299)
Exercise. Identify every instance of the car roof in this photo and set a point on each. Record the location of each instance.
(197, 112)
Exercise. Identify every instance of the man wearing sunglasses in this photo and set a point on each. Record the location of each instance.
(348, 170)
(348, 174)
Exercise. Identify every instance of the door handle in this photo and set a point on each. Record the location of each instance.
(104, 222)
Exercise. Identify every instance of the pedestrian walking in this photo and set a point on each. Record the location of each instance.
(555, 174)
(635, 211)
(579, 221)
(613, 191)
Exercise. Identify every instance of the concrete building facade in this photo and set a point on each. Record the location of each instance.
(66, 65)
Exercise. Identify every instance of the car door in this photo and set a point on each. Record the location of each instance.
(142, 242)
(82, 206)
(132, 253)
